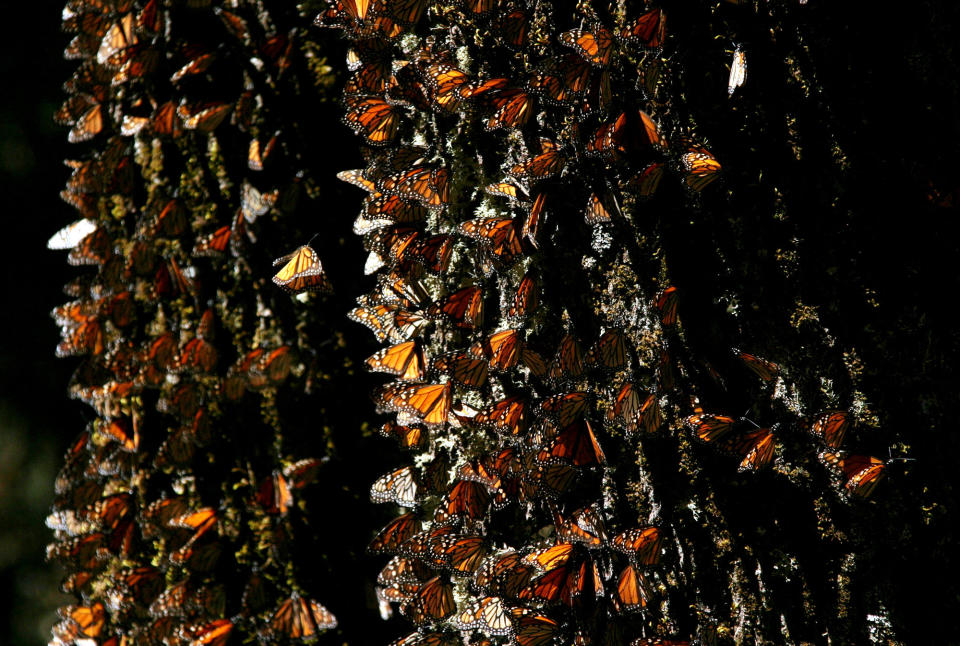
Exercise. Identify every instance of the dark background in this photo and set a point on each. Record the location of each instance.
(36, 418)
(894, 92)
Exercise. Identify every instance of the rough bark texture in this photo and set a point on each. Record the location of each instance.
(794, 299)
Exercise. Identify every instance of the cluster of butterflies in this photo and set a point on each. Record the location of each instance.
(500, 420)
(141, 551)
(502, 423)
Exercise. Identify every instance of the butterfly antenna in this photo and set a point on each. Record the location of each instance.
(744, 418)
(314, 237)
(890, 457)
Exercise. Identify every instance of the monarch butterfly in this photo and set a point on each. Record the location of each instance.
(216, 633)
(479, 88)
(405, 87)
(666, 303)
(389, 539)
(88, 125)
(504, 574)
(389, 321)
(407, 12)
(430, 402)
(428, 639)
(513, 108)
(565, 408)
(575, 444)
(527, 297)
(862, 472)
(710, 427)
(633, 590)
(301, 272)
(404, 360)
(546, 164)
(258, 155)
(213, 244)
(425, 184)
(420, 546)
(641, 544)
(649, 29)
(532, 223)
(565, 584)
(561, 80)
(626, 407)
(477, 6)
(403, 289)
(831, 426)
(569, 359)
(487, 615)
(358, 178)
(610, 350)
(401, 570)
(141, 585)
(86, 338)
(392, 242)
(274, 494)
(433, 601)
(205, 117)
(513, 28)
(701, 168)
(372, 117)
(360, 17)
(466, 499)
(72, 234)
(253, 203)
(534, 629)
(601, 207)
(369, 76)
(107, 513)
(398, 486)
(274, 365)
(534, 362)
(197, 65)
(459, 552)
(510, 416)
(756, 448)
(502, 349)
(508, 188)
(445, 83)
(462, 368)
(766, 370)
(124, 433)
(666, 371)
(499, 235)
(464, 307)
(302, 472)
(551, 557)
(595, 46)
(738, 70)
(96, 248)
(87, 621)
(299, 618)
(585, 525)
(432, 253)
(394, 208)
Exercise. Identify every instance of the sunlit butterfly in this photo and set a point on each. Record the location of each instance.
(862, 473)
(299, 618)
(429, 402)
(301, 272)
(595, 45)
(738, 70)
(700, 168)
(831, 427)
